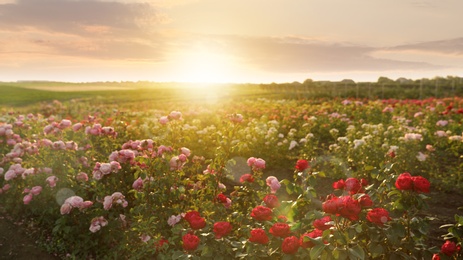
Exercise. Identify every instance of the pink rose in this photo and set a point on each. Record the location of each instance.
(27, 199)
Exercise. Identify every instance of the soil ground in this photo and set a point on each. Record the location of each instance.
(16, 242)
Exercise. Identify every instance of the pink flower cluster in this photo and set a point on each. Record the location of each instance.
(56, 128)
(140, 145)
(102, 169)
(177, 162)
(123, 156)
(174, 115)
(14, 171)
(115, 198)
(5, 188)
(256, 163)
(34, 191)
(7, 131)
(97, 129)
(97, 223)
(74, 202)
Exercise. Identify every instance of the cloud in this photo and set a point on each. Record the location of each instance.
(93, 29)
(451, 46)
(295, 54)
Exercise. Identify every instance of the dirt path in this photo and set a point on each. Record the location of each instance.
(16, 244)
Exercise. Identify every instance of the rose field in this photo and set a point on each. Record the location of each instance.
(236, 174)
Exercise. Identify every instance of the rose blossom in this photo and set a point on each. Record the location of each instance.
(420, 184)
(280, 230)
(308, 243)
(190, 242)
(52, 181)
(404, 181)
(138, 184)
(221, 229)
(27, 199)
(259, 236)
(246, 178)
(261, 213)
(301, 165)
(36, 190)
(290, 245)
(449, 248)
(322, 223)
(271, 201)
(174, 220)
(273, 183)
(378, 216)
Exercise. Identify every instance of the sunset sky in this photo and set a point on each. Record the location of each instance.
(258, 41)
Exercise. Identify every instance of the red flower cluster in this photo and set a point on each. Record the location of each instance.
(195, 220)
(301, 165)
(261, 213)
(352, 185)
(416, 183)
(221, 229)
(344, 206)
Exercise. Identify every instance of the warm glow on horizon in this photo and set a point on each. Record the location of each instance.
(204, 67)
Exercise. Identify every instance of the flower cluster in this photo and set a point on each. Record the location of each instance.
(415, 183)
(74, 202)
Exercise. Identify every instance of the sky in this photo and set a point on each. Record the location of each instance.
(236, 41)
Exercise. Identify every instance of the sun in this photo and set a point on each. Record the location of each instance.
(205, 67)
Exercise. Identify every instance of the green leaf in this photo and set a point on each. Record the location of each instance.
(357, 252)
(316, 251)
(376, 249)
(339, 254)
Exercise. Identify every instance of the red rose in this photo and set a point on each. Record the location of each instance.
(290, 245)
(190, 214)
(331, 205)
(404, 182)
(247, 178)
(435, 257)
(353, 185)
(158, 244)
(190, 242)
(308, 243)
(280, 229)
(322, 223)
(221, 229)
(365, 201)
(349, 208)
(222, 198)
(339, 185)
(420, 184)
(261, 213)
(379, 216)
(271, 201)
(301, 165)
(449, 248)
(259, 236)
(364, 182)
(197, 222)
